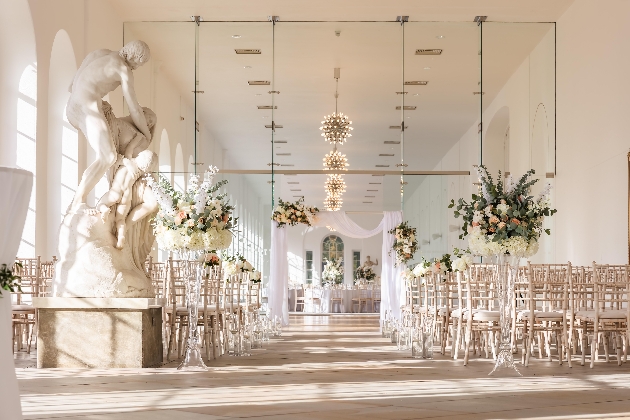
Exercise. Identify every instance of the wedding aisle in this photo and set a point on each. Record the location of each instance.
(327, 367)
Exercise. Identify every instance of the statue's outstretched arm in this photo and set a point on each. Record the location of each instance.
(135, 110)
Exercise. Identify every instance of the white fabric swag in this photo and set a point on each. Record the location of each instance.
(392, 292)
(15, 190)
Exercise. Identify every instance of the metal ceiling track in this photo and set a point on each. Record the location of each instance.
(349, 172)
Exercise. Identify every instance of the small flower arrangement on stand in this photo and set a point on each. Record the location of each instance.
(333, 272)
(235, 264)
(365, 273)
(287, 213)
(405, 244)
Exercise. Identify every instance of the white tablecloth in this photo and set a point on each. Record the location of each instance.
(326, 301)
(15, 190)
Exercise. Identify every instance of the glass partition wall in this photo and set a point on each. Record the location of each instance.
(427, 101)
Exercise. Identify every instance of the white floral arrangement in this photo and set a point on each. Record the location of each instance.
(365, 272)
(238, 264)
(463, 261)
(407, 274)
(333, 272)
(405, 244)
(287, 213)
(504, 219)
(195, 220)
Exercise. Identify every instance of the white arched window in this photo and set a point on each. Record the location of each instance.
(332, 249)
(27, 148)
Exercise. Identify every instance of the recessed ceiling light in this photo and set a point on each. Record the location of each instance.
(416, 83)
(372, 190)
(247, 51)
(406, 108)
(434, 51)
(440, 37)
(293, 182)
(427, 68)
(286, 164)
(267, 107)
(236, 36)
(392, 141)
(278, 141)
(247, 67)
(375, 183)
(283, 154)
(367, 202)
(296, 190)
(258, 82)
(276, 126)
(394, 127)
(386, 154)
(378, 175)
(416, 94)
(382, 166)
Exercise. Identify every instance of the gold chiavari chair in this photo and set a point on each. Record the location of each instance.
(24, 313)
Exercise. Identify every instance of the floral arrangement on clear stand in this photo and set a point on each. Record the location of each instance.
(504, 223)
(189, 223)
(333, 272)
(363, 275)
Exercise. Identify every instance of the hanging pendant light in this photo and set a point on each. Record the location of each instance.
(336, 127)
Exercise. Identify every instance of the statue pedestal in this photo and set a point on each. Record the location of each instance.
(99, 332)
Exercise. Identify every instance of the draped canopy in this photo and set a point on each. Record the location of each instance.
(392, 292)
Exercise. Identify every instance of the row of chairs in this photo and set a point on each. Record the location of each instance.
(36, 278)
(577, 310)
(222, 299)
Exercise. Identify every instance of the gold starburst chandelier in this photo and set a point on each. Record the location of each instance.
(335, 185)
(336, 127)
(335, 161)
(333, 203)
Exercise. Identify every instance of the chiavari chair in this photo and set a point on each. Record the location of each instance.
(24, 313)
(546, 315)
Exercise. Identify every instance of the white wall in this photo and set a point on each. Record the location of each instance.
(526, 104)
(593, 139)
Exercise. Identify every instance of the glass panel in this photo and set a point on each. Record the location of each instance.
(519, 106)
(368, 56)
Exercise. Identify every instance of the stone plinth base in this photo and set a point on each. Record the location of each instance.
(99, 333)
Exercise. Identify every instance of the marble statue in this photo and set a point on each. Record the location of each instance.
(103, 249)
(369, 263)
(101, 72)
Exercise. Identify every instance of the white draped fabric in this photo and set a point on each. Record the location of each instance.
(343, 224)
(279, 276)
(392, 292)
(15, 190)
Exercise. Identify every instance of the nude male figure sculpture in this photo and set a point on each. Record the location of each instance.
(101, 72)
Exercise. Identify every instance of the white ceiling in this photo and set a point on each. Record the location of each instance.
(370, 56)
(348, 10)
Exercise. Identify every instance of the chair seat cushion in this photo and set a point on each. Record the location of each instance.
(23, 308)
(481, 315)
(540, 315)
(611, 314)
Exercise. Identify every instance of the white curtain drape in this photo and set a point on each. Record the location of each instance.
(279, 275)
(340, 221)
(15, 190)
(392, 292)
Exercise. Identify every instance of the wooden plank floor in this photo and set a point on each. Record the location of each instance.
(327, 367)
